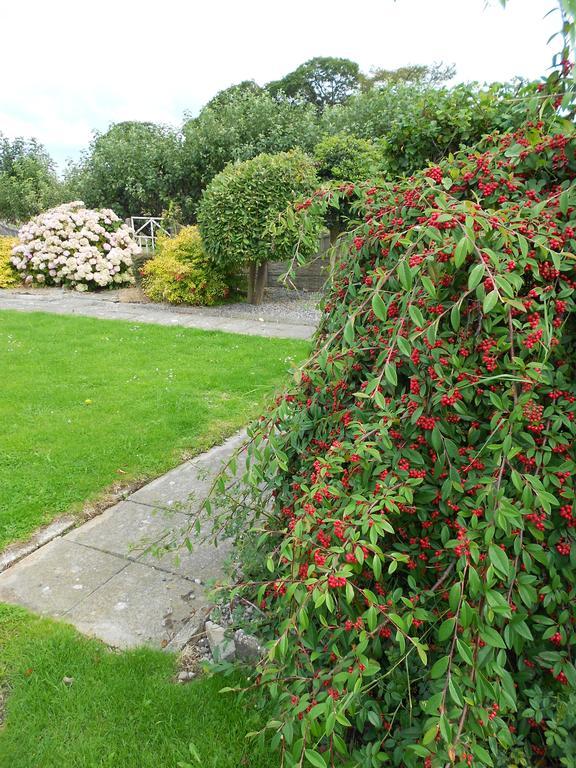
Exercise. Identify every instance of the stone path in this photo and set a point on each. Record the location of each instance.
(107, 306)
(98, 578)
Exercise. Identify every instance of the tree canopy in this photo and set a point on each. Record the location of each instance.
(322, 81)
(133, 168)
(239, 127)
(28, 180)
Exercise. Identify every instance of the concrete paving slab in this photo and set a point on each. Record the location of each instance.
(139, 606)
(205, 563)
(42, 536)
(98, 578)
(191, 480)
(57, 576)
(127, 528)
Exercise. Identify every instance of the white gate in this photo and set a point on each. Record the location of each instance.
(146, 229)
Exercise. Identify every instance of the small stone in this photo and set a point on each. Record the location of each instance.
(68, 680)
(247, 646)
(185, 676)
(222, 648)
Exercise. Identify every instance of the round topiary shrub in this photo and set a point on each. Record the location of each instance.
(239, 211)
(181, 273)
(417, 485)
(345, 157)
(9, 277)
(74, 246)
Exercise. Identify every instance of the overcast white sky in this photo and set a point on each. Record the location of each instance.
(68, 67)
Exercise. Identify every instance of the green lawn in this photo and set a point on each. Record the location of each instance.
(121, 711)
(86, 403)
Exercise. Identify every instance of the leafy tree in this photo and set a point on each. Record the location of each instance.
(229, 94)
(345, 158)
(418, 124)
(419, 74)
(239, 213)
(239, 127)
(322, 81)
(28, 180)
(134, 168)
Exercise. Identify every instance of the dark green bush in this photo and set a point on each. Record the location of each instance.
(345, 157)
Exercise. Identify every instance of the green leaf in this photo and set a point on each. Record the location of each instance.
(403, 345)
(439, 667)
(499, 560)
(378, 307)
(429, 286)
(405, 276)
(455, 317)
(315, 758)
(476, 276)
(454, 596)
(463, 248)
(482, 754)
(349, 331)
(446, 629)
(491, 637)
(465, 652)
(390, 373)
(416, 315)
(490, 302)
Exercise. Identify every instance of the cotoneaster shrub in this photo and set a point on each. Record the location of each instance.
(9, 277)
(413, 494)
(74, 246)
(181, 273)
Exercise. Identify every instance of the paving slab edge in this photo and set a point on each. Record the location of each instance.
(44, 535)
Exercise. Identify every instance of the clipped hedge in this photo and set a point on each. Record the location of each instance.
(181, 273)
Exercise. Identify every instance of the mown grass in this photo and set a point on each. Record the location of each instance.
(86, 403)
(122, 710)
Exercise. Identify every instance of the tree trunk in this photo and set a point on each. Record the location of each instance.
(257, 274)
(259, 283)
(251, 283)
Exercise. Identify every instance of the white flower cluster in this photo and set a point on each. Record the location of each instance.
(75, 246)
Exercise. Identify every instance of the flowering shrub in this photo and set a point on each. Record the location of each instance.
(74, 246)
(417, 486)
(181, 273)
(8, 275)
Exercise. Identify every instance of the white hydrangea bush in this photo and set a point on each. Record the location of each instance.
(74, 246)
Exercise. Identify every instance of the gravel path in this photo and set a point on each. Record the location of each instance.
(283, 314)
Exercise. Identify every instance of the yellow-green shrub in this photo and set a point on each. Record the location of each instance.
(181, 273)
(8, 275)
